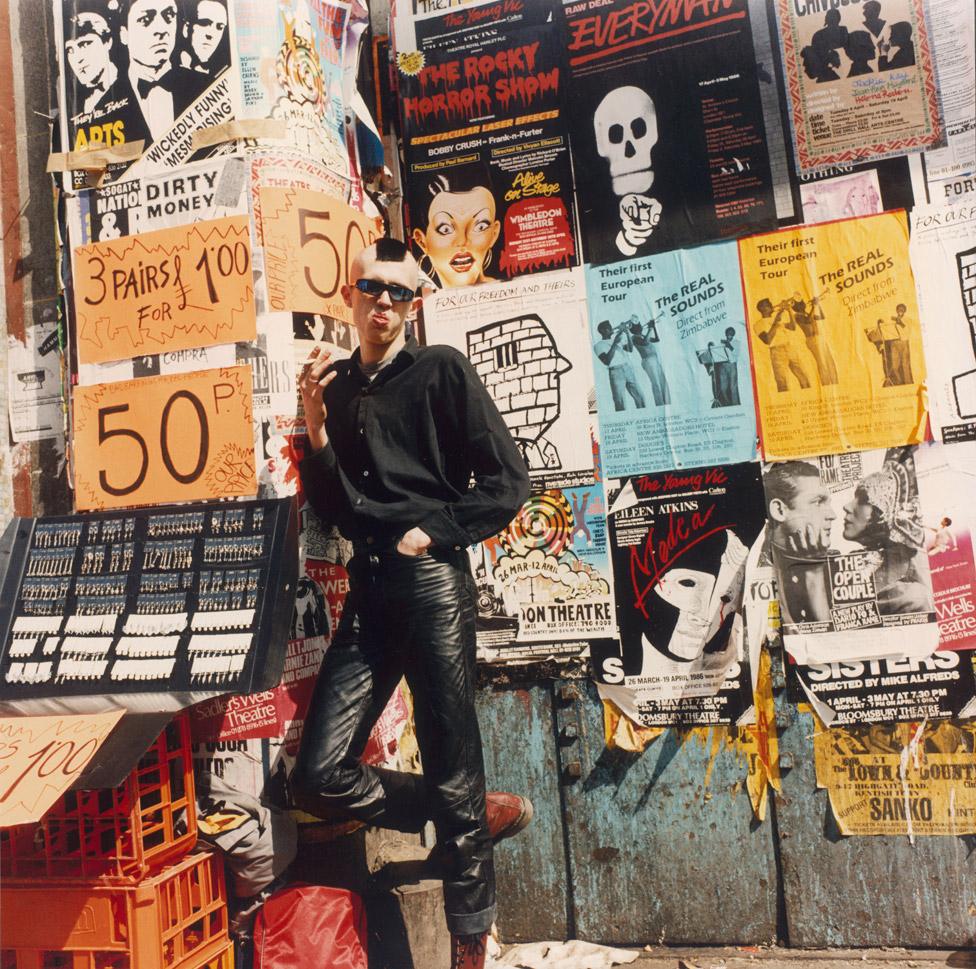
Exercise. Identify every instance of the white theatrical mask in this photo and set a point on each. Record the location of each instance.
(689, 591)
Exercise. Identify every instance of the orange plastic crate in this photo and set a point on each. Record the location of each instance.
(174, 920)
(117, 833)
(37, 959)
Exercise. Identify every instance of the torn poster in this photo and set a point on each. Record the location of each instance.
(669, 341)
(527, 341)
(144, 71)
(291, 62)
(679, 542)
(667, 125)
(899, 779)
(34, 385)
(946, 485)
(846, 541)
(836, 340)
(943, 251)
(493, 197)
(543, 584)
(861, 80)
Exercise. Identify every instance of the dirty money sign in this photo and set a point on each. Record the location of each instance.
(179, 437)
(174, 289)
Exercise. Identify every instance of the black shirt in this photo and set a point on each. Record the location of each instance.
(422, 444)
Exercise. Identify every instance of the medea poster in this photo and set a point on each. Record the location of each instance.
(679, 542)
(667, 125)
(143, 70)
(671, 361)
(860, 78)
(492, 197)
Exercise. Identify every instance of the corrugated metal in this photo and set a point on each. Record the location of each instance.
(655, 854)
(865, 891)
(520, 756)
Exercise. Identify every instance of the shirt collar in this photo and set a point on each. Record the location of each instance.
(407, 354)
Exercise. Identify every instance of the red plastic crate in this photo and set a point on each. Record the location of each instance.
(120, 833)
(174, 920)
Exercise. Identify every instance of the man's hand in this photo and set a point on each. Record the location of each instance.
(414, 542)
(312, 383)
(809, 541)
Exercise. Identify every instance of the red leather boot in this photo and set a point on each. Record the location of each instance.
(468, 951)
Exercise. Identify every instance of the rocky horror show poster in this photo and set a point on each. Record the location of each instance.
(489, 183)
(667, 124)
(679, 541)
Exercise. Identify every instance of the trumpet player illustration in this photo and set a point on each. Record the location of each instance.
(615, 350)
(777, 327)
(890, 339)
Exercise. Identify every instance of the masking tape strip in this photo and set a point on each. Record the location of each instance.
(94, 159)
(239, 128)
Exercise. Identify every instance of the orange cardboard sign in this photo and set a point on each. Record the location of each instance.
(179, 437)
(309, 241)
(174, 289)
(41, 757)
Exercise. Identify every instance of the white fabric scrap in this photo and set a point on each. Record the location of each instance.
(574, 954)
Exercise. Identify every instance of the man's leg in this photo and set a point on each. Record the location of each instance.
(799, 371)
(779, 358)
(618, 384)
(359, 673)
(437, 617)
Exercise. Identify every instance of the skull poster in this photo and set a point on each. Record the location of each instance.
(489, 187)
(527, 341)
(667, 125)
(150, 71)
(679, 541)
(673, 387)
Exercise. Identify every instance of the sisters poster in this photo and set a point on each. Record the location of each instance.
(488, 177)
(679, 541)
(835, 334)
(861, 80)
(667, 125)
(671, 361)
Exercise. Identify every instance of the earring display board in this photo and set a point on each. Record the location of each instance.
(179, 598)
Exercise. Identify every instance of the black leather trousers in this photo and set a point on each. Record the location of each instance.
(413, 617)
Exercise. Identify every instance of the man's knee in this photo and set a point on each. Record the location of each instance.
(311, 782)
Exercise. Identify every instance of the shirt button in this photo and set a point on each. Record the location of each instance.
(365, 474)
(359, 501)
(369, 539)
(794, 579)
(457, 548)
(362, 430)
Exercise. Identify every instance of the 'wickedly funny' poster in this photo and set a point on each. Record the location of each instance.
(836, 340)
(679, 541)
(489, 184)
(543, 583)
(150, 71)
(527, 340)
(667, 125)
(860, 78)
(671, 361)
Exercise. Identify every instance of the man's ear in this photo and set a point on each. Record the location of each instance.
(346, 291)
(777, 510)
(418, 301)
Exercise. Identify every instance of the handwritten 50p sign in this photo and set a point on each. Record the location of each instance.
(41, 757)
(310, 240)
(179, 437)
(174, 289)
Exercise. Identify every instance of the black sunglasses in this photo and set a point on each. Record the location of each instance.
(375, 287)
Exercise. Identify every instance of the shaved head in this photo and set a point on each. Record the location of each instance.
(385, 250)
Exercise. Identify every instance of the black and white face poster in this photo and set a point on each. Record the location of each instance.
(679, 541)
(143, 70)
(667, 125)
(489, 183)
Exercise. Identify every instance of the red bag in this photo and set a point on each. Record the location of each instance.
(311, 926)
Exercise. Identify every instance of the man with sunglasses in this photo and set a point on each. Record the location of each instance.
(413, 462)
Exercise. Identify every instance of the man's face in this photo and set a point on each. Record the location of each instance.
(207, 29)
(379, 320)
(810, 514)
(89, 54)
(150, 32)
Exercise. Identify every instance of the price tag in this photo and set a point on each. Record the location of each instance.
(179, 437)
(174, 289)
(40, 758)
(310, 239)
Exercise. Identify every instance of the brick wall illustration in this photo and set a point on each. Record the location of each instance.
(519, 363)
